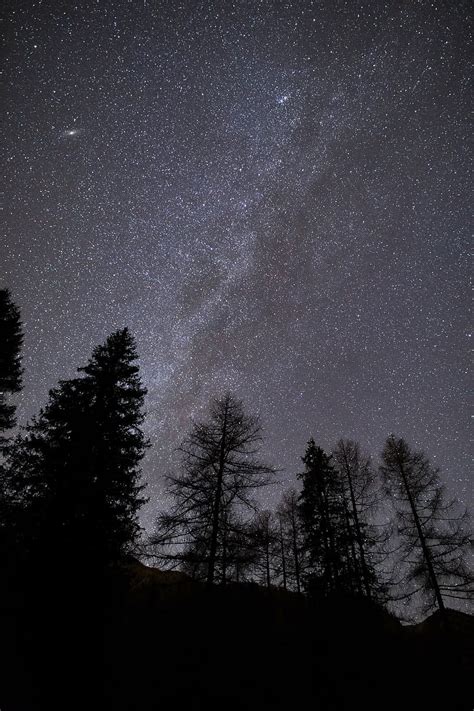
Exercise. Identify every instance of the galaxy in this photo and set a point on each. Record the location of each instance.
(272, 196)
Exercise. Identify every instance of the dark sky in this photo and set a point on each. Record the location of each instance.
(273, 196)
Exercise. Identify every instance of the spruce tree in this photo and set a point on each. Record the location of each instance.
(11, 340)
(322, 516)
(75, 469)
(113, 389)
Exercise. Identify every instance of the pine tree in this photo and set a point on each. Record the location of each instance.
(434, 534)
(323, 521)
(11, 340)
(219, 475)
(75, 469)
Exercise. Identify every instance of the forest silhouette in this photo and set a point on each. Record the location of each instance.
(225, 604)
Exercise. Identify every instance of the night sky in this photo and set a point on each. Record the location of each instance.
(273, 196)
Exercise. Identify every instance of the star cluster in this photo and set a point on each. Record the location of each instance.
(272, 196)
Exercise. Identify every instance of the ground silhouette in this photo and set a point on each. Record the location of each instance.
(140, 638)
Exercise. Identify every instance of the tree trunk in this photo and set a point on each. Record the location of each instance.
(424, 547)
(354, 577)
(267, 562)
(331, 571)
(360, 542)
(224, 552)
(215, 516)
(283, 561)
(295, 552)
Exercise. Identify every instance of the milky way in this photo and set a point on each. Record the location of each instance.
(272, 196)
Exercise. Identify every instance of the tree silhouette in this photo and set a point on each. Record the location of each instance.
(291, 539)
(11, 340)
(236, 557)
(74, 470)
(265, 542)
(330, 560)
(219, 475)
(237, 554)
(114, 390)
(360, 497)
(281, 542)
(434, 534)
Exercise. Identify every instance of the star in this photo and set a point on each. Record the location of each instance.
(273, 199)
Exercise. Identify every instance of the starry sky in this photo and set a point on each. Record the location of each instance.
(273, 196)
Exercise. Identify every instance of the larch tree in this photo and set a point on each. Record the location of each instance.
(265, 542)
(291, 539)
(360, 496)
(219, 474)
(433, 531)
(281, 543)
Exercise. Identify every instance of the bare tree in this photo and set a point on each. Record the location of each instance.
(264, 541)
(281, 540)
(360, 496)
(219, 474)
(292, 538)
(434, 533)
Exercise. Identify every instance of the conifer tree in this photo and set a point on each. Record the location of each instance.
(219, 474)
(264, 541)
(75, 470)
(116, 396)
(292, 539)
(237, 554)
(323, 521)
(360, 497)
(11, 340)
(434, 533)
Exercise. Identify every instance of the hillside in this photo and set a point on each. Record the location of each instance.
(147, 640)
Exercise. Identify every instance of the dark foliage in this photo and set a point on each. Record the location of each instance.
(73, 473)
(84, 624)
(327, 562)
(11, 339)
